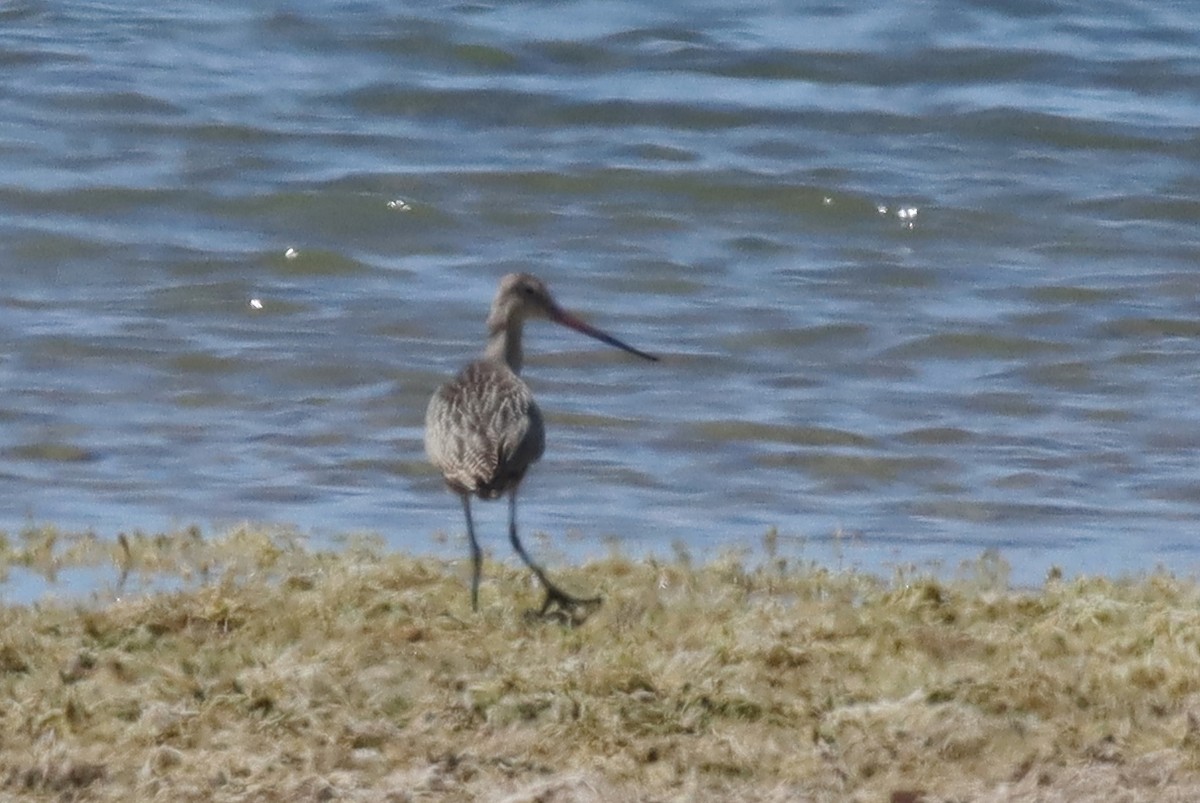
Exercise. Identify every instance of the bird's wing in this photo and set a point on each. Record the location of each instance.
(483, 430)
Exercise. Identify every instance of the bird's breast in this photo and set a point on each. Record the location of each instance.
(483, 429)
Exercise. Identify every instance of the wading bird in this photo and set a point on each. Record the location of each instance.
(483, 429)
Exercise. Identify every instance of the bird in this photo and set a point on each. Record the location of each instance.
(483, 429)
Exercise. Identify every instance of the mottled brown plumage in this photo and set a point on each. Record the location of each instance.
(483, 429)
(487, 430)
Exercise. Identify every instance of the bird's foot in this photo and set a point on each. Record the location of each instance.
(566, 608)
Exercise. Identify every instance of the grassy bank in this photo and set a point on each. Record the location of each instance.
(266, 671)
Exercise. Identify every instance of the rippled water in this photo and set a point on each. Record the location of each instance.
(925, 277)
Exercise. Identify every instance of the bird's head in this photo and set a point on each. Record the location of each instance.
(522, 296)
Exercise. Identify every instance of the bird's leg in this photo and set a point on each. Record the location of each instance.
(476, 553)
(554, 594)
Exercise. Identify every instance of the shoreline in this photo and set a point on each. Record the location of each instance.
(261, 669)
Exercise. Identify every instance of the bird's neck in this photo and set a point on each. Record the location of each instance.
(504, 345)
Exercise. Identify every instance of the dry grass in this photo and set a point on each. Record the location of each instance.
(272, 672)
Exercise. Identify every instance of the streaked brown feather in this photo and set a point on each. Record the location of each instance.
(483, 430)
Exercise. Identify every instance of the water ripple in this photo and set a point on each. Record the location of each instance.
(927, 279)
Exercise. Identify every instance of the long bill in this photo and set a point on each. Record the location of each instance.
(569, 320)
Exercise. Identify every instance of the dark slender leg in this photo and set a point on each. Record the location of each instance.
(476, 553)
(554, 594)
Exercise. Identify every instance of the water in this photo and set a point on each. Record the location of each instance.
(924, 277)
